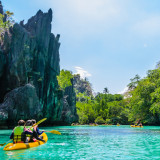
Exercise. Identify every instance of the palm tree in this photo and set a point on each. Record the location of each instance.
(105, 91)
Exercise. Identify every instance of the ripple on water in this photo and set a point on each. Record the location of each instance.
(110, 142)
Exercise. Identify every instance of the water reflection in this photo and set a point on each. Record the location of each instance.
(18, 154)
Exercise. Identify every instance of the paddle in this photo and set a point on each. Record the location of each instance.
(42, 120)
(54, 132)
(5, 143)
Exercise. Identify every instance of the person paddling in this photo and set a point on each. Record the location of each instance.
(30, 138)
(19, 134)
(36, 127)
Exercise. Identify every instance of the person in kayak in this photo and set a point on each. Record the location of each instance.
(19, 135)
(36, 127)
(34, 136)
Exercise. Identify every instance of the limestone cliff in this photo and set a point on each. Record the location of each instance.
(69, 112)
(82, 85)
(29, 57)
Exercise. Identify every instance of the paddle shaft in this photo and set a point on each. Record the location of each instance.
(36, 124)
(5, 143)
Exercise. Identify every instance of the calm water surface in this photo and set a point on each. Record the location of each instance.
(86, 142)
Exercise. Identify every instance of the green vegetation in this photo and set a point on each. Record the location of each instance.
(6, 21)
(140, 103)
(64, 79)
(144, 99)
(103, 108)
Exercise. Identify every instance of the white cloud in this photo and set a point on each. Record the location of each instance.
(83, 73)
(86, 16)
(149, 26)
(123, 91)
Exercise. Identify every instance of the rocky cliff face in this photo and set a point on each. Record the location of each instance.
(69, 112)
(82, 85)
(29, 57)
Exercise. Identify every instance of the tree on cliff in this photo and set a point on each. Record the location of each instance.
(6, 21)
(64, 79)
(134, 82)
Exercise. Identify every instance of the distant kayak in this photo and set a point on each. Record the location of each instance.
(17, 146)
(136, 126)
(94, 124)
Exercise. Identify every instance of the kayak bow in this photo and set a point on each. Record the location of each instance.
(17, 146)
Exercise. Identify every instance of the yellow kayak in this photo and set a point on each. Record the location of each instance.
(17, 146)
(136, 126)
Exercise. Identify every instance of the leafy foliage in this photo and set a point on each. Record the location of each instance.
(99, 120)
(64, 79)
(6, 21)
(145, 99)
(102, 107)
(141, 104)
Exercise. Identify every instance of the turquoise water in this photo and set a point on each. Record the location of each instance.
(86, 142)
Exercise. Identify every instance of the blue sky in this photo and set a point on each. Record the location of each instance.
(108, 41)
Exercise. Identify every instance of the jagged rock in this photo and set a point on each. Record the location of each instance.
(22, 103)
(1, 8)
(2, 63)
(82, 85)
(3, 119)
(30, 54)
(69, 113)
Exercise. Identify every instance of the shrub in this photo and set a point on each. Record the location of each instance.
(108, 121)
(99, 120)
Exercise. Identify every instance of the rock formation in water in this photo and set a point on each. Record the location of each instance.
(29, 57)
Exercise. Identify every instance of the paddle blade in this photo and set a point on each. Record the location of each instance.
(55, 132)
(5, 143)
(2, 144)
(41, 121)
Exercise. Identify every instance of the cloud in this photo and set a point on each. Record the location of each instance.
(82, 72)
(150, 26)
(123, 91)
(86, 16)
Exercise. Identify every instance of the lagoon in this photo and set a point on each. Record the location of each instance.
(92, 142)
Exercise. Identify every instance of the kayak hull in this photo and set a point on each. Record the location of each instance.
(18, 146)
(136, 126)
